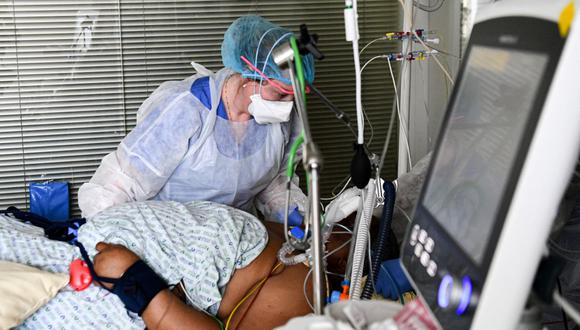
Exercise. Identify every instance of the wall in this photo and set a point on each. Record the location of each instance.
(430, 90)
(74, 72)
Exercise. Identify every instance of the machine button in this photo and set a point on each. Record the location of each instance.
(466, 296)
(423, 236)
(456, 294)
(415, 232)
(432, 268)
(429, 244)
(414, 235)
(445, 291)
(418, 250)
(425, 258)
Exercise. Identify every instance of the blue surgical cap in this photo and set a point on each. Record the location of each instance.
(254, 38)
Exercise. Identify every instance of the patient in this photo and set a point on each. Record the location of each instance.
(230, 254)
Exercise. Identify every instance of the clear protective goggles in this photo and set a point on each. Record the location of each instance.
(274, 83)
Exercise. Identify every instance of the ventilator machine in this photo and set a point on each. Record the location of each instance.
(506, 151)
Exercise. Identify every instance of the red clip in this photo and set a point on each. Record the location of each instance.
(80, 275)
(345, 289)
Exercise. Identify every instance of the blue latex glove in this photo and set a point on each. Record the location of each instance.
(392, 281)
(295, 218)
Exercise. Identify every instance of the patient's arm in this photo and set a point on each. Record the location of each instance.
(165, 311)
(113, 260)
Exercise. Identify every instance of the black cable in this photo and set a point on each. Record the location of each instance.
(429, 9)
(340, 115)
(563, 313)
(443, 52)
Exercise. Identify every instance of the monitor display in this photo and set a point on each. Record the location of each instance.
(485, 127)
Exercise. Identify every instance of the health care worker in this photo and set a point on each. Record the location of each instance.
(222, 137)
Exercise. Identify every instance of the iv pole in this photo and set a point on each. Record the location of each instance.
(284, 55)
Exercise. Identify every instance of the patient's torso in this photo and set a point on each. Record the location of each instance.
(201, 243)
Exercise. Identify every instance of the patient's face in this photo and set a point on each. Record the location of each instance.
(338, 260)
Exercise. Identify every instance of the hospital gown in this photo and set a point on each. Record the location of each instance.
(199, 243)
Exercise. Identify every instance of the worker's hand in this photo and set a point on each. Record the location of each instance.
(113, 260)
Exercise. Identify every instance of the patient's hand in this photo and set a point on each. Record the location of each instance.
(113, 260)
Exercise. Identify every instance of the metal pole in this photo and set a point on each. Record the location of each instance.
(313, 167)
(405, 95)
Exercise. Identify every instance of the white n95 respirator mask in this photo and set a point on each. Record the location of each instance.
(269, 112)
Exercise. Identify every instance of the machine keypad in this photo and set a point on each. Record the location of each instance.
(423, 247)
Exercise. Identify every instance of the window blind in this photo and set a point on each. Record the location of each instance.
(74, 72)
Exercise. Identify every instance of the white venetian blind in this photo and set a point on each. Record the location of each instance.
(74, 72)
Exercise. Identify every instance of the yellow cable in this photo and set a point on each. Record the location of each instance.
(256, 287)
(327, 286)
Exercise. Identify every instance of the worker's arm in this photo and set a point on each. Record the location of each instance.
(271, 201)
(147, 157)
(165, 310)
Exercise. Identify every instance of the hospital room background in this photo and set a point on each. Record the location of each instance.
(73, 74)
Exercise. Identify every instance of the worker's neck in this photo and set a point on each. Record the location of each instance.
(236, 99)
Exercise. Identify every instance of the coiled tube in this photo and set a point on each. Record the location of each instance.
(361, 242)
(284, 252)
(382, 240)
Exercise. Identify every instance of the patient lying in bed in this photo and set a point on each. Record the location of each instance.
(217, 253)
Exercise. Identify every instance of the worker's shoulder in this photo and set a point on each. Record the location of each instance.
(174, 88)
(171, 98)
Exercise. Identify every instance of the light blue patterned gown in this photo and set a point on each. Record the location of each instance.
(199, 243)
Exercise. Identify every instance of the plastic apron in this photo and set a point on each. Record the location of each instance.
(220, 168)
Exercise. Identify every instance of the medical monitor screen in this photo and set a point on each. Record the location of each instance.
(485, 127)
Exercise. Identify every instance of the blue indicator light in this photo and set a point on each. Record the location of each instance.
(444, 291)
(465, 296)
